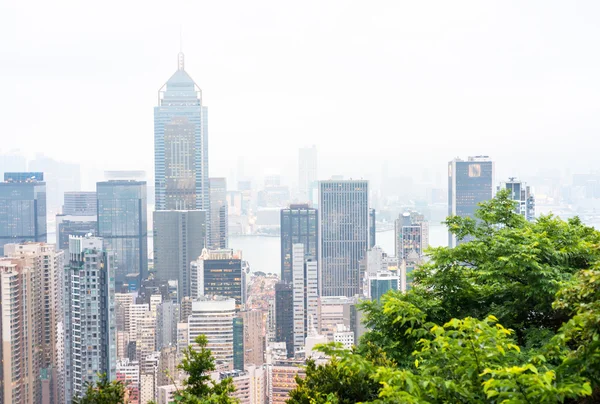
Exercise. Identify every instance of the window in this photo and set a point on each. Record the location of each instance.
(474, 170)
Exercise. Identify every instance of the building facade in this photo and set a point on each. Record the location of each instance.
(523, 195)
(69, 225)
(343, 235)
(284, 316)
(411, 235)
(254, 339)
(470, 182)
(90, 323)
(299, 225)
(123, 225)
(218, 273)
(218, 238)
(179, 237)
(80, 204)
(305, 295)
(22, 208)
(181, 145)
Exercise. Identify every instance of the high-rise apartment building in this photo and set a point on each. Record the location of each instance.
(90, 323)
(470, 182)
(411, 235)
(284, 316)
(47, 264)
(179, 237)
(167, 317)
(213, 317)
(218, 214)
(80, 204)
(305, 294)
(522, 194)
(254, 339)
(307, 172)
(123, 225)
(22, 208)
(218, 273)
(299, 225)
(343, 235)
(181, 145)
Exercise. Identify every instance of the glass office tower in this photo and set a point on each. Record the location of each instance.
(22, 208)
(470, 182)
(344, 235)
(181, 145)
(298, 226)
(123, 225)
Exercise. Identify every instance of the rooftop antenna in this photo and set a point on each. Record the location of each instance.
(180, 61)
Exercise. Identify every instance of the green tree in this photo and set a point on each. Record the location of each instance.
(102, 392)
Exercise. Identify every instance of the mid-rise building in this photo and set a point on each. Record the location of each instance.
(343, 235)
(218, 237)
(89, 303)
(80, 204)
(282, 379)
(128, 372)
(254, 339)
(380, 283)
(344, 336)
(470, 182)
(218, 273)
(411, 234)
(213, 317)
(179, 237)
(123, 225)
(299, 225)
(334, 310)
(305, 294)
(522, 194)
(22, 208)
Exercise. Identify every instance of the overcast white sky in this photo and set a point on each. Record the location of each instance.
(415, 83)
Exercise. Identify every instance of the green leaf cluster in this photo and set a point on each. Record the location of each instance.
(512, 315)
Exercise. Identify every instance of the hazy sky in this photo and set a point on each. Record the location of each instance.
(415, 83)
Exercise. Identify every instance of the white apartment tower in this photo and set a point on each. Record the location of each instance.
(305, 294)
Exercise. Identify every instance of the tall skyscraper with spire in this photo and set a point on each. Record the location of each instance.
(181, 145)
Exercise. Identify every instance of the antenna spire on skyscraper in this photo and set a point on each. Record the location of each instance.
(180, 58)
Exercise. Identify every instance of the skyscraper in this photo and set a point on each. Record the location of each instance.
(284, 316)
(78, 218)
(343, 235)
(80, 204)
(218, 213)
(307, 172)
(299, 225)
(90, 323)
(181, 145)
(412, 235)
(179, 237)
(22, 208)
(470, 182)
(305, 294)
(522, 194)
(123, 225)
(218, 273)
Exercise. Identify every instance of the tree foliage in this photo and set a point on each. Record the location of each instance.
(511, 315)
(102, 392)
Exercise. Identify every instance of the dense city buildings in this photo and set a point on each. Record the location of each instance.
(411, 231)
(181, 145)
(343, 235)
(218, 273)
(22, 208)
(307, 173)
(470, 182)
(80, 204)
(305, 294)
(90, 323)
(218, 237)
(213, 317)
(123, 225)
(179, 237)
(522, 194)
(299, 225)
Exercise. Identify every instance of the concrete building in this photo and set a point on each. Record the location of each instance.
(213, 316)
(22, 208)
(123, 225)
(181, 145)
(334, 310)
(166, 394)
(282, 379)
(258, 384)
(299, 225)
(470, 182)
(254, 338)
(179, 237)
(343, 235)
(128, 372)
(522, 194)
(167, 366)
(219, 226)
(344, 336)
(90, 324)
(47, 264)
(218, 273)
(380, 283)
(305, 294)
(166, 325)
